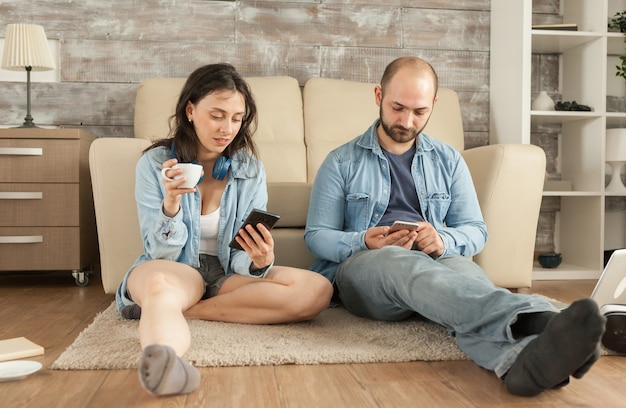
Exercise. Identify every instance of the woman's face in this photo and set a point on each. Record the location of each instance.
(216, 119)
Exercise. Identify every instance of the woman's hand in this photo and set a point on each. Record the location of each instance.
(171, 201)
(258, 243)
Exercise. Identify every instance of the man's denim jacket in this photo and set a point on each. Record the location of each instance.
(351, 193)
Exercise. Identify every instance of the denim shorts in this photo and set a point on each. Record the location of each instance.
(212, 273)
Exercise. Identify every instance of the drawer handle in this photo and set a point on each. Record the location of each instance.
(21, 151)
(33, 239)
(21, 195)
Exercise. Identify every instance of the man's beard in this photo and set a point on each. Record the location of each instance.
(398, 133)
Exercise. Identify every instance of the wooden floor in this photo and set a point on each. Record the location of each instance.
(50, 310)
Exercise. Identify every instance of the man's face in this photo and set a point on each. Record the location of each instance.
(406, 105)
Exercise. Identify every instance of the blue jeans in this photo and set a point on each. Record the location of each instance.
(392, 283)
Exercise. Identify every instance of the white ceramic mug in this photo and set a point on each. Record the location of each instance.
(191, 172)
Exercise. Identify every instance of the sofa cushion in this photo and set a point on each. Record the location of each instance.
(280, 132)
(336, 111)
(291, 201)
(155, 102)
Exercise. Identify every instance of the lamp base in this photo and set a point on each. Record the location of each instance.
(30, 125)
(616, 185)
(28, 119)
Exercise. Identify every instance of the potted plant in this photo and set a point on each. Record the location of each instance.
(618, 22)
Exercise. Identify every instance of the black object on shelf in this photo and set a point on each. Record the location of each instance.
(550, 260)
(571, 106)
(560, 27)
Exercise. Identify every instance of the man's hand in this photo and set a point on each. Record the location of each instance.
(377, 237)
(425, 238)
(428, 239)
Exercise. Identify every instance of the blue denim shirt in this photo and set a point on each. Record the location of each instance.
(351, 193)
(178, 238)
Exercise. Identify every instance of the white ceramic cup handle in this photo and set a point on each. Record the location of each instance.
(163, 170)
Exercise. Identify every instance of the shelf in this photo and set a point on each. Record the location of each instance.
(572, 193)
(574, 141)
(615, 44)
(616, 119)
(559, 117)
(564, 272)
(558, 42)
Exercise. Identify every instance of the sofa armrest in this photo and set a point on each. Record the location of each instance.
(290, 200)
(509, 183)
(112, 164)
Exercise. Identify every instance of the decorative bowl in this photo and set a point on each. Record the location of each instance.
(551, 260)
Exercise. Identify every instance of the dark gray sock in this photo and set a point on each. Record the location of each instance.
(131, 312)
(162, 372)
(582, 370)
(569, 345)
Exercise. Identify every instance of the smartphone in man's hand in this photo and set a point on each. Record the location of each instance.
(400, 225)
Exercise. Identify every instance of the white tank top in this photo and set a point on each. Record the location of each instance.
(209, 228)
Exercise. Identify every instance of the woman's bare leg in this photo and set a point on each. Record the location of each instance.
(285, 295)
(164, 289)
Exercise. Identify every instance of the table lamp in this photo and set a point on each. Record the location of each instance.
(26, 47)
(616, 157)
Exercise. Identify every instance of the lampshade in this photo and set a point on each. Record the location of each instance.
(616, 144)
(26, 45)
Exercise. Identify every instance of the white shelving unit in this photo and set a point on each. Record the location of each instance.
(587, 60)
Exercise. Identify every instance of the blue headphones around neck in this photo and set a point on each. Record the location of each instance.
(220, 168)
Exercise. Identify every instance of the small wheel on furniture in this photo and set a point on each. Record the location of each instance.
(81, 278)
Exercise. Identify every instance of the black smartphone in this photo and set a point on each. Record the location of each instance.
(257, 216)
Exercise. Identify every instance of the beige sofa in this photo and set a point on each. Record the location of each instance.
(297, 128)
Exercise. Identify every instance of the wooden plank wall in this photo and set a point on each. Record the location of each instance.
(107, 47)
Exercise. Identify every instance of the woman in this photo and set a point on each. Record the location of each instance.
(187, 269)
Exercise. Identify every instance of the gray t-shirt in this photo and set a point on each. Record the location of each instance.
(403, 202)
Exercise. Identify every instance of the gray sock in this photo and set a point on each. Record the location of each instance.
(568, 346)
(162, 372)
(131, 312)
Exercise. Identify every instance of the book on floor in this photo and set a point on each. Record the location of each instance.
(19, 347)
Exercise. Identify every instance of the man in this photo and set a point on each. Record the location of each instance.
(394, 172)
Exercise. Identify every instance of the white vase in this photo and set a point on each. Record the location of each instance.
(616, 158)
(543, 102)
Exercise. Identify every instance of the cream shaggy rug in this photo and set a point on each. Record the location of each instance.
(335, 336)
